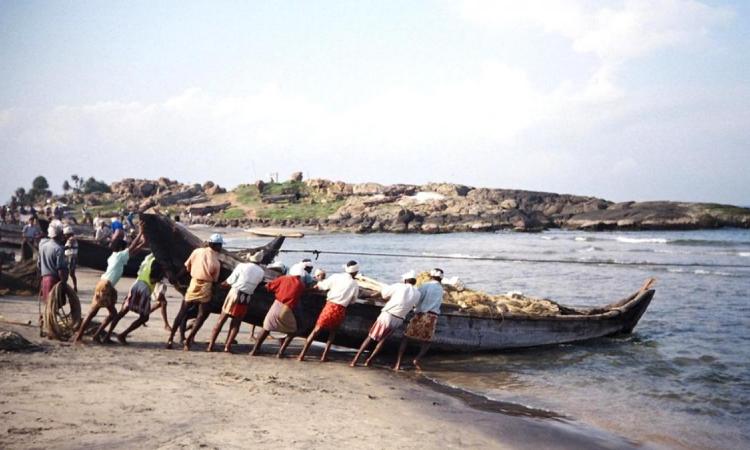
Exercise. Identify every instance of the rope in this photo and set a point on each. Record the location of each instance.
(317, 253)
(61, 324)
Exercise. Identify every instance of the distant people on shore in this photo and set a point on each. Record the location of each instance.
(31, 235)
(71, 253)
(52, 265)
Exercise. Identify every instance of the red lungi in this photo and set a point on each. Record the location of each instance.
(331, 317)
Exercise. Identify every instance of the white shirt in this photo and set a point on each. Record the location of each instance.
(403, 297)
(342, 288)
(245, 277)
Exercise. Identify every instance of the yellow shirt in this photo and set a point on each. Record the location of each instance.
(203, 264)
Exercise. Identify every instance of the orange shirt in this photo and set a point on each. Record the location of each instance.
(203, 264)
(287, 289)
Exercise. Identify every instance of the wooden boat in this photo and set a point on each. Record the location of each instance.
(273, 232)
(456, 331)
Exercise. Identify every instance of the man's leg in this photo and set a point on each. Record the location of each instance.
(422, 351)
(136, 323)
(375, 352)
(217, 329)
(287, 340)
(401, 351)
(203, 313)
(259, 342)
(89, 317)
(163, 304)
(361, 350)
(331, 337)
(115, 320)
(178, 322)
(308, 342)
(112, 314)
(234, 328)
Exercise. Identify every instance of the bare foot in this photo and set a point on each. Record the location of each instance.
(122, 340)
(186, 347)
(210, 349)
(227, 350)
(367, 363)
(417, 367)
(323, 359)
(170, 344)
(300, 358)
(353, 364)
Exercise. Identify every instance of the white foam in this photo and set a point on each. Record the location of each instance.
(581, 239)
(548, 238)
(701, 272)
(744, 254)
(628, 240)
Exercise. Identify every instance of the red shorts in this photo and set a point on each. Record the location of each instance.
(331, 317)
(238, 310)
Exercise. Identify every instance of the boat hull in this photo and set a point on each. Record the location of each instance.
(456, 331)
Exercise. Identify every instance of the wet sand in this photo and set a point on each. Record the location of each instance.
(144, 396)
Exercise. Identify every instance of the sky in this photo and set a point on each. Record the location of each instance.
(625, 100)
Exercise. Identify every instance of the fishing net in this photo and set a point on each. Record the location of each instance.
(62, 314)
(481, 303)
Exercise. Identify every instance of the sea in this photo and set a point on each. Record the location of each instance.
(680, 380)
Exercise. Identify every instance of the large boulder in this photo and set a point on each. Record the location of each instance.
(296, 176)
(367, 189)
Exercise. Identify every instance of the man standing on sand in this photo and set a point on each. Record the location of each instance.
(342, 291)
(241, 283)
(421, 327)
(287, 290)
(105, 295)
(31, 234)
(52, 265)
(204, 268)
(402, 298)
(71, 253)
(158, 288)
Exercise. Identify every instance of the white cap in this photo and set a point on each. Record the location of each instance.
(256, 257)
(68, 230)
(216, 239)
(436, 273)
(297, 270)
(409, 275)
(351, 269)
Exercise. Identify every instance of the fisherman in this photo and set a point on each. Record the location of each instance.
(31, 234)
(103, 232)
(138, 301)
(307, 266)
(342, 290)
(52, 265)
(287, 290)
(71, 253)
(242, 282)
(97, 222)
(401, 299)
(319, 275)
(204, 268)
(421, 327)
(158, 289)
(105, 295)
(118, 233)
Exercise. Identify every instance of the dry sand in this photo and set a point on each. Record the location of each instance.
(143, 396)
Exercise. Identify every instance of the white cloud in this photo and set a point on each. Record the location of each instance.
(614, 34)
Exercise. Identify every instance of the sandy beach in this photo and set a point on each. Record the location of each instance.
(144, 396)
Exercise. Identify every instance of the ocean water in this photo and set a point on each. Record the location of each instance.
(681, 380)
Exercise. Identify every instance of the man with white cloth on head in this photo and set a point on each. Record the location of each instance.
(402, 298)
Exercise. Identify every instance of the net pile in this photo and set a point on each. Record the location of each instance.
(481, 303)
(62, 314)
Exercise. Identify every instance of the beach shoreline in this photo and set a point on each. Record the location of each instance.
(90, 396)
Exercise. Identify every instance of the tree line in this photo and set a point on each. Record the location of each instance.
(40, 191)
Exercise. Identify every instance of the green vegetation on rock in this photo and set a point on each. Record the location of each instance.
(233, 213)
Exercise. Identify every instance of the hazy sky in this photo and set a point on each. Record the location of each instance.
(642, 99)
